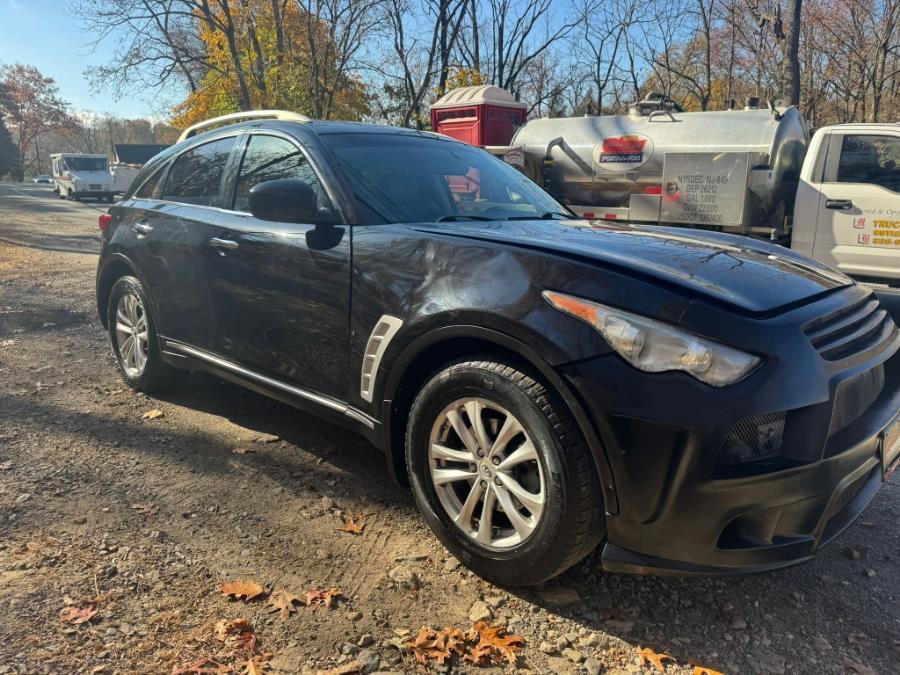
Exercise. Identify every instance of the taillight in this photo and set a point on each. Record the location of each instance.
(105, 220)
(653, 190)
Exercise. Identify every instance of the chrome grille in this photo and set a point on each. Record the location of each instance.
(850, 330)
(854, 396)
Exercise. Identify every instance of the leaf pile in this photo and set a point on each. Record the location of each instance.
(243, 653)
(483, 645)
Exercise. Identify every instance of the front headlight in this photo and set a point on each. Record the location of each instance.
(654, 346)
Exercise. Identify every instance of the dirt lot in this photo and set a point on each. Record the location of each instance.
(231, 485)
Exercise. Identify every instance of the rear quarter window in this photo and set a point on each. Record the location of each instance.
(150, 187)
(196, 176)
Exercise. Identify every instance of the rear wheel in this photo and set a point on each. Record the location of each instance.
(132, 332)
(502, 474)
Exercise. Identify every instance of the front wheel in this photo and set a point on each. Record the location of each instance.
(502, 474)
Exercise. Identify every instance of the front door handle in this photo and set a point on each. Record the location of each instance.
(839, 204)
(225, 244)
(142, 229)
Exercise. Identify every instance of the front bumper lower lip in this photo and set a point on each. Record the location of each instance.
(763, 559)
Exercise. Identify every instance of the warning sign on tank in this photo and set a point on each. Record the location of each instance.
(704, 188)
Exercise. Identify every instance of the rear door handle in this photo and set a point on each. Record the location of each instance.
(225, 244)
(142, 229)
(839, 204)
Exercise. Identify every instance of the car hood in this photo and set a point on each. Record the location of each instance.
(750, 275)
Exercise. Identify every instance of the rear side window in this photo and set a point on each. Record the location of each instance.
(149, 189)
(870, 159)
(196, 176)
(271, 158)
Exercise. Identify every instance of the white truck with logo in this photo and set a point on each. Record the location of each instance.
(78, 176)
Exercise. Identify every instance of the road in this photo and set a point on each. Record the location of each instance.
(142, 520)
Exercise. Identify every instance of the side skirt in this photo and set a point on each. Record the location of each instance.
(185, 356)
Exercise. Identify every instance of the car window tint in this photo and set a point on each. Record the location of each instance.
(148, 189)
(272, 158)
(196, 176)
(870, 159)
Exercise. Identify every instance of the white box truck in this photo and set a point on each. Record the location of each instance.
(78, 176)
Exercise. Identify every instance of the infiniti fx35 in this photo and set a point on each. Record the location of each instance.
(696, 402)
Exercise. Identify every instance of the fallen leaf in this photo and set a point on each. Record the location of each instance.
(238, 632)
(242, 588)
(314, 598)
(149, 509)
(493, 646)
(152, 414)
(354, 524)
(351, 668)
(243, 451)
(856, 666)
(75, 615)
(701, 670)
(201, 666)
(283, 602)
(6, 466)
(656, 660)
(438, 646)
(256, 665)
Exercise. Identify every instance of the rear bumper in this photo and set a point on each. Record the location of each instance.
(676, 517)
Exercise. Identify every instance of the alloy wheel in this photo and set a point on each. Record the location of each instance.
(486, 472)
(132, 334)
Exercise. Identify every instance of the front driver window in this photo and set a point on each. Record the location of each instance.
(870, 159)
(271, 158)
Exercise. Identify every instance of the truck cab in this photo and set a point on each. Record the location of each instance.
(77, 176)
(847, 210)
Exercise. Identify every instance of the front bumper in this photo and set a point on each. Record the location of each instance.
(679, 515)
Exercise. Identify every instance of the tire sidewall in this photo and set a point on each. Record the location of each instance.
(524, 562)
(154, 365)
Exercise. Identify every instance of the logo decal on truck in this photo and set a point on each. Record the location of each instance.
(621, 153)
(859, 223)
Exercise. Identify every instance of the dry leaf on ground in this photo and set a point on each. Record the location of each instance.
(354, 524)
(656, 660)
(351, 668)
(242, 451)
(201, 666)
(283, 602)
(314, 597)
(76, 615)
(149, 509)
(237, 632)
(431, 645)
(492, 646)
(242, 588)
(256, 665)
(152, 414)
(701, 670)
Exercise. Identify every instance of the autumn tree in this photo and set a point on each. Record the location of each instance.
(9, 153)
(31, 105)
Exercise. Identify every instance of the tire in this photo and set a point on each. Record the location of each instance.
(567, 522)
(147, 372)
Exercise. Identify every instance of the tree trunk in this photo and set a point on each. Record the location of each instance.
(792, 88)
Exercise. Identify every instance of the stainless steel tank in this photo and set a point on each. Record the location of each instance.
(734, 170)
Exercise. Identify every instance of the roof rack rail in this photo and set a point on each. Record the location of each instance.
(234, 118)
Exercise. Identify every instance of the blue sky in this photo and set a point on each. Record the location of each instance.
(42, 33)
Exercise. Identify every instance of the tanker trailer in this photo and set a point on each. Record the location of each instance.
(734, 170)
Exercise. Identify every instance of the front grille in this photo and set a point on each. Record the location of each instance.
(850, 330)
(753, 439)
(854, 396)
(95, 186)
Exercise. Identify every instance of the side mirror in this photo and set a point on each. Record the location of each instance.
(287, 200)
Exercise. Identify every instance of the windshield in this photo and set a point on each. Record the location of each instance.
(85, 163)
(409, 179)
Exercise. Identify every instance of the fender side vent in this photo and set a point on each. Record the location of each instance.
(381, 336)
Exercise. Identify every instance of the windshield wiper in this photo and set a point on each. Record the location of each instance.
(549, 215)
(448, 219)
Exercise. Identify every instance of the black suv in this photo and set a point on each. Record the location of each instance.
(702, 403)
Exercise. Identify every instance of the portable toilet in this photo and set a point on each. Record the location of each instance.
(479, 115)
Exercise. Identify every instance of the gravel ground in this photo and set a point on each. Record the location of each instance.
(231, 485)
